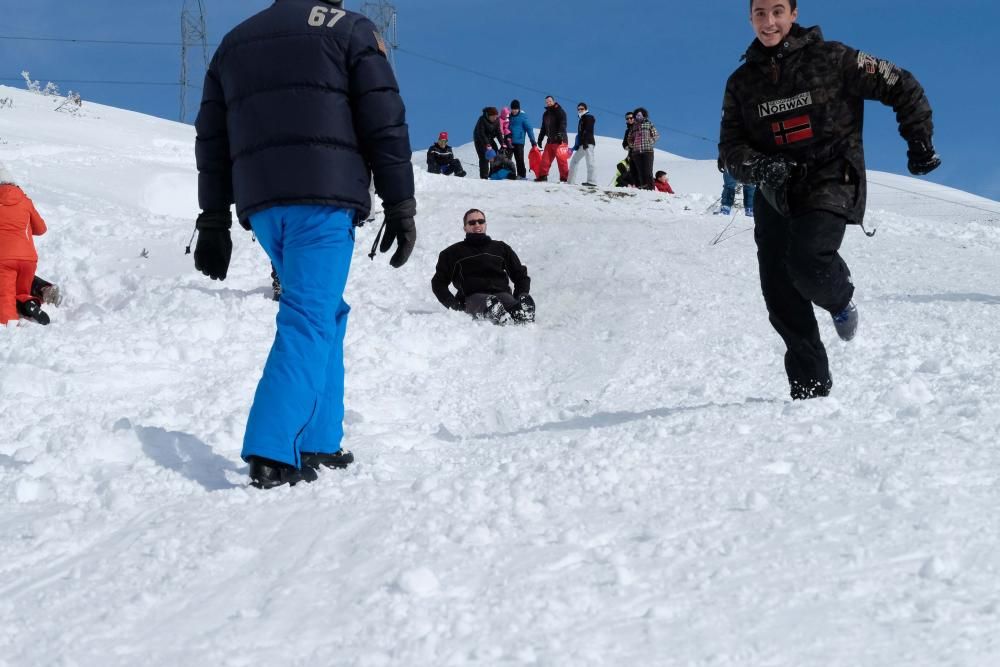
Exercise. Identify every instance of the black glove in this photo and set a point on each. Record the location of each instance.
(458, 305)
(541, 144)
(215, 246)
(773, 172)
(401, 229)
(921, 158)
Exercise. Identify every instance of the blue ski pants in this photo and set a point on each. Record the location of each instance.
(729, 191)
(299, 403)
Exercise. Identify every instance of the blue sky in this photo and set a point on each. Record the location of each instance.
(668, 56)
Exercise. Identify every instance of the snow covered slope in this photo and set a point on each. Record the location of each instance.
(625, 483)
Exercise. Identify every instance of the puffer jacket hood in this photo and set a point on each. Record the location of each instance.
(11, 195)
(19, 221)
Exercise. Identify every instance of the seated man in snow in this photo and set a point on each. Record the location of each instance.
(481, 270)
(441, 158)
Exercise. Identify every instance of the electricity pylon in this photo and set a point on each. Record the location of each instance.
(383, 15)
(193, 38)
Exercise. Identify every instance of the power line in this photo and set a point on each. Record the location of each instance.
(74, 40)
(941, 199)
(104, 81)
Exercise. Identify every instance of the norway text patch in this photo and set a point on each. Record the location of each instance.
(788, 104)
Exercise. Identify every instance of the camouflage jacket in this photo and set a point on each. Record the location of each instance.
(805, 100)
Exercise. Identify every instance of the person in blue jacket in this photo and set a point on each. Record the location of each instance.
(520, 128)
(300, 108)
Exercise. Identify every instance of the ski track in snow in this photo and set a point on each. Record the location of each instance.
(624, 483)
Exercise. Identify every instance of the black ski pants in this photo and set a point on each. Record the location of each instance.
(643, 169)
(522, 171)
(800, 266)
(484, 164)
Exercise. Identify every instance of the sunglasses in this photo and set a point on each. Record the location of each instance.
(476, 221)
(581, 109)
(629, 117)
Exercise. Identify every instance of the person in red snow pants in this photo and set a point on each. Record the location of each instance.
(19, 222)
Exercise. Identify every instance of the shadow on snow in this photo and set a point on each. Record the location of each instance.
(188, 456)
(598, 420)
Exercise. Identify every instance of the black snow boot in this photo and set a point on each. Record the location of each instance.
(526, 313)
(32, 310)
(46, 291)
(846, 322)
(267, 474)
(339, 459)
(495, 312)
(802, 391)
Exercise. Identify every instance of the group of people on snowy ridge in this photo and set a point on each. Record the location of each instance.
(499, 139)
(792, 117)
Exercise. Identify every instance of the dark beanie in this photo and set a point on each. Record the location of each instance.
(515, 104)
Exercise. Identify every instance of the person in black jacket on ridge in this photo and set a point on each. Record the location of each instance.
(487, 135)
(792, 121)
(481, 270)
(631, 177)
(584, 145)
(300, 108)
(554, 128)
(441, 158)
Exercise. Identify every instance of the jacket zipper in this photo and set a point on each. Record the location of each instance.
(774, 71)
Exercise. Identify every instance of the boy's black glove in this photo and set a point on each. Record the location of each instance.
(215, 245)
(773, 171)
(921, 157)
(400, 229)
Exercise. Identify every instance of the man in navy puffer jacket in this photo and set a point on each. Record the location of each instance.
(300, 108)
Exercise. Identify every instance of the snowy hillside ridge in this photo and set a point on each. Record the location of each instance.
(623, 483)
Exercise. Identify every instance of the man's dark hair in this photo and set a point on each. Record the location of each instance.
(584, 105)
(792, 4)
(471, 210)
(660, 173)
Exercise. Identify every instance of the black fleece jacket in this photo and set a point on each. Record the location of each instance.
(478, 265)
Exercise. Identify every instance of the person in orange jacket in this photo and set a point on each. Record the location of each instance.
(19, 221)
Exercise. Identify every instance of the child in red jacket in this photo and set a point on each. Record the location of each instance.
(19, 221)
(662, 184)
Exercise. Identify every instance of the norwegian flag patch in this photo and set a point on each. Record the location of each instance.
(792, 130)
